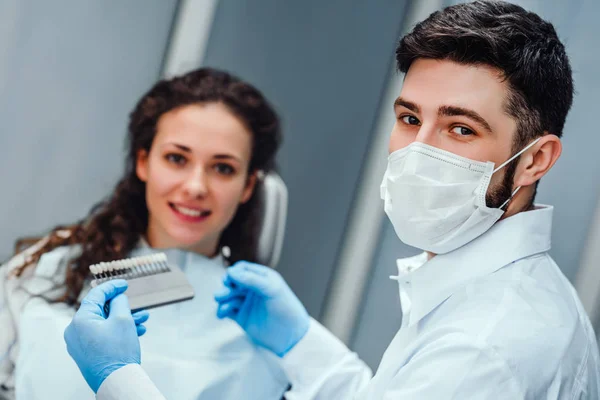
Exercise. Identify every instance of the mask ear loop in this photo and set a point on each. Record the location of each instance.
(504, 164)
(510, 198)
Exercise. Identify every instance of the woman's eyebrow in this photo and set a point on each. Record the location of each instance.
(226, 157)
(179, 146)
(223, 156)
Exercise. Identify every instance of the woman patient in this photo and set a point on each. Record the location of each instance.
(197, 145)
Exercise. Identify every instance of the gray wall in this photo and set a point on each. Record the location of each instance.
(70, 72)
(573, 185)
(324, 66)
(381, 315)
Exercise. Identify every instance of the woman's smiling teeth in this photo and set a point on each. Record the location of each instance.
(190, 212)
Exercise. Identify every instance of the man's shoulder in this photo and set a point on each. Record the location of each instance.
(533, 284)
(526, 314)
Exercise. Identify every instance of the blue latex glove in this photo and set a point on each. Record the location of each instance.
(260, 301)
(101, 344)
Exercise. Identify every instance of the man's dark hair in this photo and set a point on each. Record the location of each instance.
(524, 47)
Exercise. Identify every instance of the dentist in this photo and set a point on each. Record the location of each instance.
(487, 313)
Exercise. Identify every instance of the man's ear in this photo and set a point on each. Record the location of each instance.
(141, 165)
(249, 189)
(537, 161)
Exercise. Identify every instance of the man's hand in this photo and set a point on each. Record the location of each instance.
(101, 344)
(260, 301)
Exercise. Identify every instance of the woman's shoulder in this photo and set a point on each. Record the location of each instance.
(22, 257)
(51, 265)
(55, 261)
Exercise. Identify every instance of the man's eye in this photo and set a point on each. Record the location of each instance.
(410, 120)
(224, 169)
(175, 158)
(462, 131)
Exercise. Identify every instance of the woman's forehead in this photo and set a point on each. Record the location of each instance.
(205, 129)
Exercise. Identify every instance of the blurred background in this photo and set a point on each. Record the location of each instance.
(71, 71)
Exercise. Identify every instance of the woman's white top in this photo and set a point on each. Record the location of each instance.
(187, 351)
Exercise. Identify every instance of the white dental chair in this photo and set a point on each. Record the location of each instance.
(273, 197)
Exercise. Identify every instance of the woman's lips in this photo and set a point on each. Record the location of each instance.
(190, 214)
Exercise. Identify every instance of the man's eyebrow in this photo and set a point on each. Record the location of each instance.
(407, 104)
(452, 111)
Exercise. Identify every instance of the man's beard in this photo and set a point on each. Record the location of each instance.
(498, 195)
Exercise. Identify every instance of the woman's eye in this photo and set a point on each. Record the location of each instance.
(410, 120)
(462, 131)
(175, 158)
(224, 169)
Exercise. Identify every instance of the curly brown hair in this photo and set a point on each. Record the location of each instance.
(114, 226)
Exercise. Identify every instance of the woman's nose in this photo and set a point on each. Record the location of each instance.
(196, 184)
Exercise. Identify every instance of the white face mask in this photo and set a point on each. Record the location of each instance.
(436, 199)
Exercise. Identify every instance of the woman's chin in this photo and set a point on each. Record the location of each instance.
(187, 243)
(197, 243)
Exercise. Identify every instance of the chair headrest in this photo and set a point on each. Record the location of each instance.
(274, 201)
